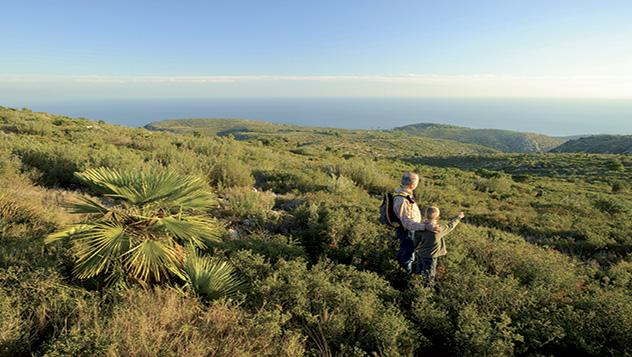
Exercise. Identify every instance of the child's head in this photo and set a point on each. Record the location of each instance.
(432, 213)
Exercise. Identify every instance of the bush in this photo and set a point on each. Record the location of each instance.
(341, 185)
(56, 165)
(340, 308)
(488, 173)
(493, 185)
(284, 181)
(166, 323)
(247, 203)
(618, 186)
(621, 275)
(231, 172)
(26, 211)
(364, 174)
(36, 306)
(273, 247)
(615, 165)
(612, 205)
(521, 178)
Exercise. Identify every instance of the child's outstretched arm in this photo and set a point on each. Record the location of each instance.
(452, 224)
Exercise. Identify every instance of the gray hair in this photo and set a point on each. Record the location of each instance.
(409, 178)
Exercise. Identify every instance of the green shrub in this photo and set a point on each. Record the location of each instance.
(180, 160)
(612, 205)
(35, 306)
(618, 186)
(493, 185)
(521, 178)
(620, 274)
(488, 173)
(167, 323)
(26, 211)
(273, 247)
(231, 172)
(10, 164)
(479, 334)
(284, 181)
(56, 165)
(30, 125)
(615, 165)
(340, 308)
(341, 185)
(247, 203)
(602, 323)
(364, 174)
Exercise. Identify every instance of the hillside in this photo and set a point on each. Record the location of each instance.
(502, 140)
(598, 144)
(321, 141)
(270, 245)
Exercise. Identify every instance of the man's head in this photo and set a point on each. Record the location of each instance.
(410, 180)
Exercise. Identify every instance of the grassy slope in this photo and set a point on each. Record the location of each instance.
(589, 175)
(503, 140)
(599, 144)
(317, 141)
(557, 263)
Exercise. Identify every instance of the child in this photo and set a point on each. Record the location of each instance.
(432, 244)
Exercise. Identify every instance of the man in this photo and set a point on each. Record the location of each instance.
(408, 212)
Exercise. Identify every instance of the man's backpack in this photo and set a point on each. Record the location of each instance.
(387, 213)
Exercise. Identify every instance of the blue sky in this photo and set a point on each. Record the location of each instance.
(90, 49)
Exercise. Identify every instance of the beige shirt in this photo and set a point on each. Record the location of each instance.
(408, 213)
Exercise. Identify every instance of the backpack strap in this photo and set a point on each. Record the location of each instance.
(408, 197)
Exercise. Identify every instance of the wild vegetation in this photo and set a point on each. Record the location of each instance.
(266, 241)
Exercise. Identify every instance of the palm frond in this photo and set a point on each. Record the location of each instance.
(113, 183)
(86, 206)
(211, 278)
(194, 230)
(187, 192)
(99, 248)
(149, 186)
(153, 260)
(68, 232)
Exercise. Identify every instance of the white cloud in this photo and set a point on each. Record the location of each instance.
(432, 85)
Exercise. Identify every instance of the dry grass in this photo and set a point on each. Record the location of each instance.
(12, 326)
(27, 209)
(167, 323)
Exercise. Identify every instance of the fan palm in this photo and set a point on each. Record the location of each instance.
(211, 278)
(141, 225)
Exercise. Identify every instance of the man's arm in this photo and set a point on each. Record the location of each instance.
(404, 212)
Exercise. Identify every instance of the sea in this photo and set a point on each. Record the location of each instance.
(556, 117)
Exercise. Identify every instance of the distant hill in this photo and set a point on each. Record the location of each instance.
(598, 144)
(218, 126)
(313, 140)
(503, 140)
